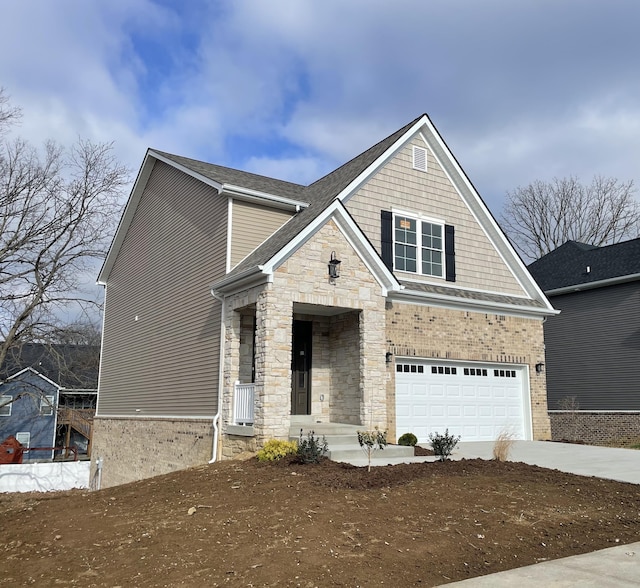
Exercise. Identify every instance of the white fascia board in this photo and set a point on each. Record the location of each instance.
(37, 373)
(256, 196)
(504, 248)
(253, 276)
(592, 285)
(204, 179)
(471, 305)
(355, 184)
(352, 233)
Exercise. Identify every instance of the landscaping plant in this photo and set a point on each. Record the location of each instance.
(443, 445)
(311, 449)
(502, 446)
(371, 441)
(408, 439)
(276, 449)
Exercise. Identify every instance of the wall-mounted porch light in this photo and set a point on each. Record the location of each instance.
(334, 266)
(539, 368)
(388, 357)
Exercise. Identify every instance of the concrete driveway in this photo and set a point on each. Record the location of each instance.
(617, 567)
(586, 460)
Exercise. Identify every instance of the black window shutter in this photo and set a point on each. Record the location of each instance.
(450, 253)
(386, 237)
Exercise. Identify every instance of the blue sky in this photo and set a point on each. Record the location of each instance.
(293, 88)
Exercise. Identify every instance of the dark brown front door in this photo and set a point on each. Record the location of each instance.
(301, 368)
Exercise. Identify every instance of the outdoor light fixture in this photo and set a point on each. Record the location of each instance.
(388, 357)
(539, 368)
(334, 266)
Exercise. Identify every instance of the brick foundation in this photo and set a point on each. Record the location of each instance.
(595, 428)
(134, 449)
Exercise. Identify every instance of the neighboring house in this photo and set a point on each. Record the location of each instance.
(593, 346)
(239, 307)
(48, 397)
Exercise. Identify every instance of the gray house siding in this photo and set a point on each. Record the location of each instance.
(593, 349)
(158, 303)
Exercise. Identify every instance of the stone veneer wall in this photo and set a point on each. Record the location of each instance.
(595, 428)
(440, 333)
(146, 447)
(303, 279)
(345, 368)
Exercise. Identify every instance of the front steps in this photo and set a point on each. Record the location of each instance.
(343, 443)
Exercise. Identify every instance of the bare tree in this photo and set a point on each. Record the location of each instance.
(58, 211)
(544, 215)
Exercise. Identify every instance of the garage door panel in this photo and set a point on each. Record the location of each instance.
(478, 402)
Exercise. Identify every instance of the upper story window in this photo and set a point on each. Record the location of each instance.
(46, 405)
(5, 405)
(418, 246)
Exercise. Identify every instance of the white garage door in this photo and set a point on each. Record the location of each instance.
(475, 401)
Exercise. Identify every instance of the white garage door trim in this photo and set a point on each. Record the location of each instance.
(472, 399)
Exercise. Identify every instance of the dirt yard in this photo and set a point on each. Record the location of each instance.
(244, 523)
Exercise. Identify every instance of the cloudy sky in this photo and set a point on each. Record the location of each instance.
(520, 90)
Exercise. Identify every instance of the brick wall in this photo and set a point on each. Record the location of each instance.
(595, 428)
(440, 333)
(134, 449)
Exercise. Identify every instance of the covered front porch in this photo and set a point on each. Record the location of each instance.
(322, 347)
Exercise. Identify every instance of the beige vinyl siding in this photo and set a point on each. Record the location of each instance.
(162, 325)
(397, 185)
(252, 224)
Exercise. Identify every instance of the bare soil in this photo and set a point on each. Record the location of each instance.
(330, 524)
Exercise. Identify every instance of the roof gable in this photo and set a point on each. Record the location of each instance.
(577, 266)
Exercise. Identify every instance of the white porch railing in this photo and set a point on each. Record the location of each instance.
(243, 404)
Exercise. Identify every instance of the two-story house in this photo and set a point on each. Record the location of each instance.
(48, 397)
(239, 307)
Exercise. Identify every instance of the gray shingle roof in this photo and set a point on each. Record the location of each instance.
(567, 265)
(472, 295)
(318, 195)
(236, 177)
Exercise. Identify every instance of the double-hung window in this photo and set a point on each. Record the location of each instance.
(418, 246)
(46, 405)
(5, 405)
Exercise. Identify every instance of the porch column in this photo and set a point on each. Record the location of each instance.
(373, 373)
(274, 318)
(231, 363)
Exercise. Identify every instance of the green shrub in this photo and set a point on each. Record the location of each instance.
(443, 445)
(408, 439)
(311, 449)
(275, 449)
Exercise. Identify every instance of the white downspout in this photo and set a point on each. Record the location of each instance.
(216, 418)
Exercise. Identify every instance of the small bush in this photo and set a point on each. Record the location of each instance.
(408, 439)
(502, 446)
(275, 449)
(443, 445)
(311, 449)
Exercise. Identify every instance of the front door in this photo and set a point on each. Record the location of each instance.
(301, 368)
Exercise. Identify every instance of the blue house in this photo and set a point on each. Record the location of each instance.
(48, 397)
(28, 411)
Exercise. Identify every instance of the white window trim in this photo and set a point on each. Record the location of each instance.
(22, 434)
(419, 220)
(3, 399)
(47, 402)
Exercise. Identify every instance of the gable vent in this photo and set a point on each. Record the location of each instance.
(420, 159)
